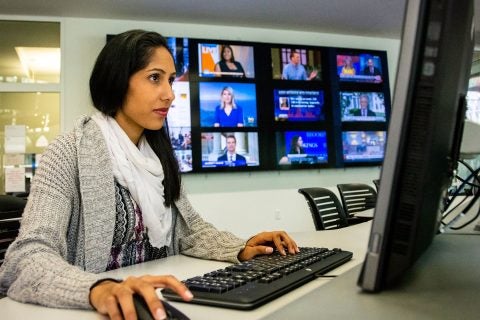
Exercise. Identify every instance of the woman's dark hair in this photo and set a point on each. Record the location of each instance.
(294, 147)
(227, 46)
(122, 56)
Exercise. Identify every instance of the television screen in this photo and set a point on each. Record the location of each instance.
(363, 146)
(227, 104)
(179, 125)
(359, 68)
(225, 60)
(362, 106)
(301, 147)
(298, 105)
(296, 64)
(229, 149)
(179, 49)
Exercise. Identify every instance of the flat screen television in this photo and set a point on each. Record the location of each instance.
(301, 148)
(179, 125)
(225, 60)
(296, 63)
(363, 146)
(362, 106)
(214, 96)
(230, 149)
(362, 67)
(296, 105)
(424, 137)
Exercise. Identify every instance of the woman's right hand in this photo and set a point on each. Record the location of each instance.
(115, 298)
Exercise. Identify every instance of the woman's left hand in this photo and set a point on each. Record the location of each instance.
(266, 242)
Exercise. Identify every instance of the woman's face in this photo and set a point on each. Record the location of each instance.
(299, 141)
(227, 54)
(149, 96)
(226, 96)
(348, 62)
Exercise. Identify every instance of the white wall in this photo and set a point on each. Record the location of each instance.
(242, 202)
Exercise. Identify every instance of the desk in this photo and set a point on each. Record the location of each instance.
(353, 238)
(444, 284)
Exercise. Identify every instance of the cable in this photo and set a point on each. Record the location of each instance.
(455, 194)
(453, 209)
(464, 211)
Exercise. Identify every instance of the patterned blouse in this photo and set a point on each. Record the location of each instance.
(130, 240)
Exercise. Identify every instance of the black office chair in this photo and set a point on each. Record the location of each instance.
(11, 209)
(326, 209)
(357, 197)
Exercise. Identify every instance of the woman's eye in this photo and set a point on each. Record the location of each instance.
(155, 77)
(171, 80)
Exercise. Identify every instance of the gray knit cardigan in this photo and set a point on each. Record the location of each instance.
(68, 224)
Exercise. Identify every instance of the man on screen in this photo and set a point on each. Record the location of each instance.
(364, 110)
(231, 157)
(295, 70)
(370, 69)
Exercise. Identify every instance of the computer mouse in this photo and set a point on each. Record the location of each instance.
(143, 312)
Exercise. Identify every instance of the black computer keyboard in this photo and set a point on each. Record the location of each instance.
(250, 284)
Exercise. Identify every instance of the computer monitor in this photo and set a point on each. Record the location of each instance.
(423, 137)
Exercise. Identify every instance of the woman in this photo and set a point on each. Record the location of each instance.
(348, 69)
(227, 66)
(296, 145)
(228, 113)
(109, 194)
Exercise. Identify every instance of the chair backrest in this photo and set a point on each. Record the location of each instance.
(357, 197)
(326, 209)
(11, 209)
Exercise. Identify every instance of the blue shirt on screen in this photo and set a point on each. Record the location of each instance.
(232, 120)
(294, 72)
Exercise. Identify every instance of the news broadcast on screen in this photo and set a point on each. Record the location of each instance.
(359, 68)
(225, 60)
(298, 105)
(301, 147)
(362, 106)
(218, 97)
(229, 149)
(363, 146)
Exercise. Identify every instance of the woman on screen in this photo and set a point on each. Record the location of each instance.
(348, 69)
(296, 145)
(228, 113)
(109, 195)
(228, 66)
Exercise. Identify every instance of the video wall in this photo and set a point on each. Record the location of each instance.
(245, 106)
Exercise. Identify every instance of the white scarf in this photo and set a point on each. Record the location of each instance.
(141, 172)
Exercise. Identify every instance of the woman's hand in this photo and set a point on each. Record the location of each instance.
(115, 298)
(265, 242)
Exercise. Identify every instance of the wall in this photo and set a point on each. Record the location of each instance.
(242, 202)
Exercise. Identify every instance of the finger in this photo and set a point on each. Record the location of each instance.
(126, 305)
(289, 243)
(112, 308)
(147, 292)
(251, 251)
(172, 283)
(278, 243)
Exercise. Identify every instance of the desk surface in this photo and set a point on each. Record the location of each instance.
(444, 284)
(353, 238)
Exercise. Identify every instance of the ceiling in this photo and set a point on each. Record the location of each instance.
(377, 18)
(372, 18)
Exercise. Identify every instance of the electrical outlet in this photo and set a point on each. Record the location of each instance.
(277, 214)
